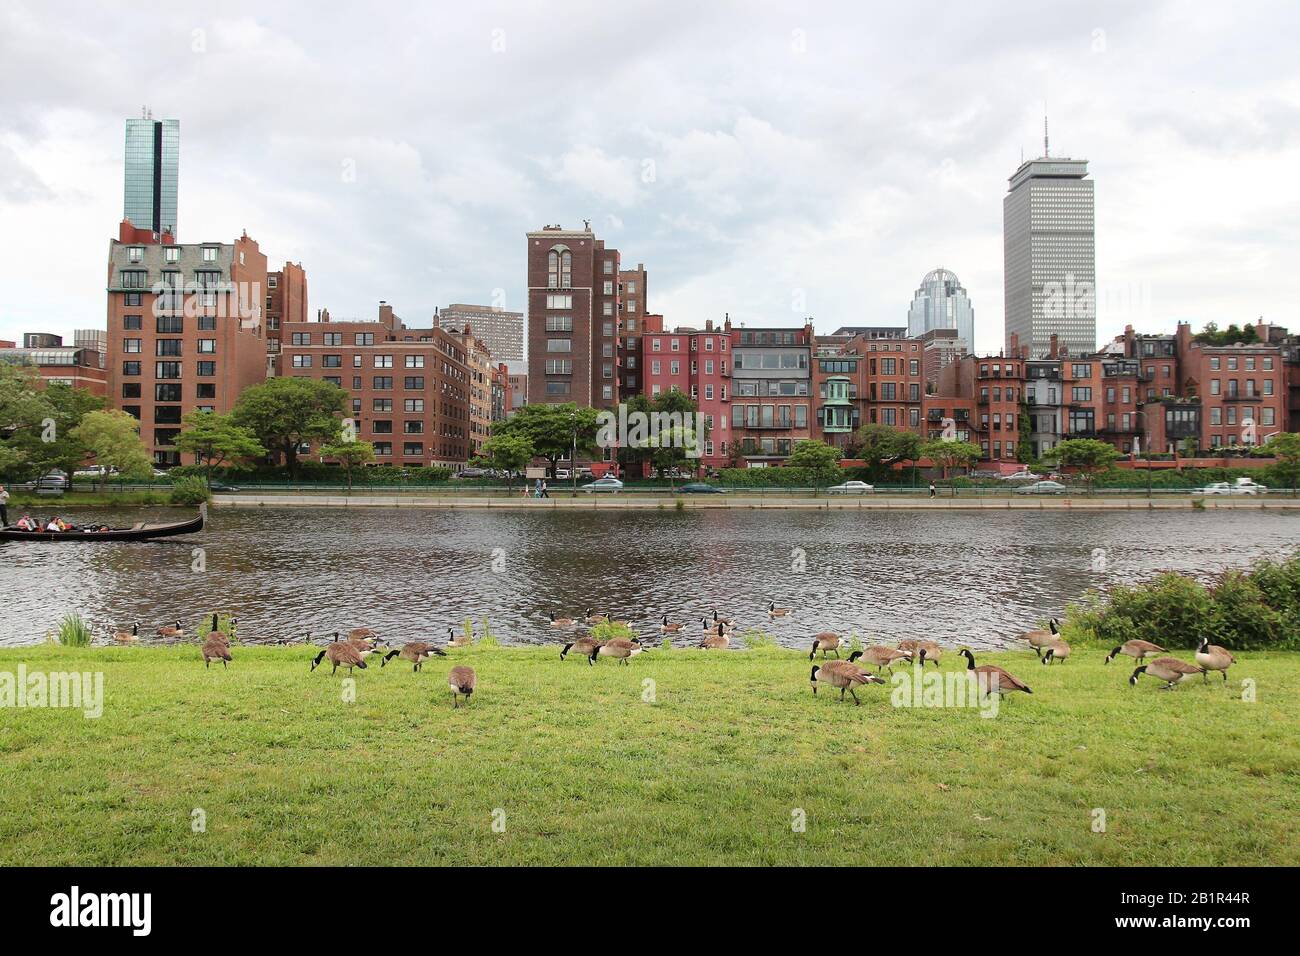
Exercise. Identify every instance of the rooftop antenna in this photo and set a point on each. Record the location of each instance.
(1045, 151)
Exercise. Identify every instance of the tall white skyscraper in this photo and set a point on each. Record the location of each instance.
(941, 303)
(1049, 255)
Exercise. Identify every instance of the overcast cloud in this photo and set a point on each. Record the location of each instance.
(767, 160)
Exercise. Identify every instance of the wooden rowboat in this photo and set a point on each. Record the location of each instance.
(140, 531)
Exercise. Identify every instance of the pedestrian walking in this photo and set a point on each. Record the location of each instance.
(546, 491)
(932, 489)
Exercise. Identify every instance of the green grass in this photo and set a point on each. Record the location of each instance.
(21, 501)
(589, 772)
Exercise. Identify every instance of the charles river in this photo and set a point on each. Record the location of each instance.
(958, 577)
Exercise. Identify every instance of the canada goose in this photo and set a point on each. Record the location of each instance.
(341, 654)
(711, 625)
(930, 651)
(670, 628)
(722, 620)
(458, 640)
(1168, 669)
(417, 652)
(362, 633)
(583, 646)
(881, 657)
(364, 646)
(216, 649)
(1212, 657)
(825, 641)
(1057, 650)
(998, 681)
(462, 680)
(618, 647)
(593, 618)
(168, 630)
(1136, 649)
(127, 637)
(1040, 638)
(617, 623)
(843, 675)
(717, 641)
(562, 621)
(774, 611)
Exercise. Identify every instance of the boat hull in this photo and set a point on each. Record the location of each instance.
(139, 532)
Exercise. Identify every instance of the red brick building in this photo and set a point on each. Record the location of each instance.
(74, 365)
(633, 313)
(286, 301)
(696, 362)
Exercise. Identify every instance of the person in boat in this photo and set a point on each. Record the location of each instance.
(25, 523)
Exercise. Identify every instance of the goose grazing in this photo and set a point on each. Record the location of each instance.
(459, 640)
(363, 634)
(929, 650)
(462, 680)
(718, 641)
(669, 628)
(1212, 657)
(168, 630)
(417, 652)
(127, 637)
(844, 675)
(584, 646)
(618, 647)
(774, 611)
(362, 645)
(1168, 669)
(341, 654)
(1057, 650)
(1041, 637)
(995, 678)
(1135, 649)
(825, 641)
(593, 618)
(881, 657)
(216, 648)
(562, 621)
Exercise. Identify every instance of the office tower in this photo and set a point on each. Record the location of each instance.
(153, 149)
(1049, 256)
(501, 331)
(941, 303)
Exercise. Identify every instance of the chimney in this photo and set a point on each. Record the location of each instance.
(1054, 348)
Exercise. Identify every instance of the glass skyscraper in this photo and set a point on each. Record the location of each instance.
(153, 154)
(941, 303)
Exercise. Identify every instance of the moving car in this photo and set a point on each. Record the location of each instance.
(1025, 475)
(472, 473)
(603, 484)
(1242, 486)
(53, 481)
(701, 488)
(93, 471)
(1042, 488)
(851, 488)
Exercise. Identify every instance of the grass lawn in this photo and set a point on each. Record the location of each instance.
(587, 771)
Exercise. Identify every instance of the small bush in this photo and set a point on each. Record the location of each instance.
(486, 637)
(606, 630)
(73, 631)
(224, 626)
(754, 638)
(189, 491)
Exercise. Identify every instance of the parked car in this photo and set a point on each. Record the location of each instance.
(1242, 486)
(472, 473)
(603, 484)
(94, 471)
(1025, 475)
(851, 488)
(1042, 488)
(561, 474)
(222, 486)
(701, 488)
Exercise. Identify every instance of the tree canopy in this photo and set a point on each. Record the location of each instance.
(820, 460)
(551, 428)
(113, 437)
(285, 413)
(213, 439)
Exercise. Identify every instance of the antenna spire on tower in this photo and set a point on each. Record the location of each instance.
(1046, 153)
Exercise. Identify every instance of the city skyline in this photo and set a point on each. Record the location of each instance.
(722, 180)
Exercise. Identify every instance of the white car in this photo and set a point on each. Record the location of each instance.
(93, 471)
(1022, 476)
(603, 484)
(1244, 486)
(851, 488)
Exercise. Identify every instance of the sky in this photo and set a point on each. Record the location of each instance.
(765, 160)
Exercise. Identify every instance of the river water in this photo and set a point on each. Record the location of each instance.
(969, 577)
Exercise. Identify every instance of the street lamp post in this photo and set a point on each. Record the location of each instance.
(573, 456)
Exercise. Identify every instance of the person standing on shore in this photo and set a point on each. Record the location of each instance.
(4, 506)
(546, 491)
(932, 489)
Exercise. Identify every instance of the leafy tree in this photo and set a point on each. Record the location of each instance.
(285, 413)
(213, 439)
(551, 429)
(350, 455)
(1285, 447)
(23, 409)
(947, 453)
(1024, 434)
(882, 445)
(820, 460)
(670, 444)
(508, 453)
(1088, 455)
(113, 437)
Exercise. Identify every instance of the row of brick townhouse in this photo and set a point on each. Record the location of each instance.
(80, 365)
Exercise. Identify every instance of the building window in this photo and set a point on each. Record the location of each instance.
(171, 254)
(413, 404)
(383, 449)
(559, 323)
(205, 390)
(167, 370)
(559, 302)
(559, 345)
(364, 338)
(131, 345)
(383, 361)
(209, 254)
(302, 361)
(130, 368)
(206, 369)
(413, 383)
(382, 382)
(207, 346)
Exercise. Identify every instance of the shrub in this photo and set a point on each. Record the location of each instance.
(224, 626)
(767, 478)
(486, 637)
(754, 638)
(189, 491)
(606, 630)
(73, 631)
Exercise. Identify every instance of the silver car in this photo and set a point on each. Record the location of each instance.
(1042, 488)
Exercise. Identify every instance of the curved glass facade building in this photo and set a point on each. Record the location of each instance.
(941, 303)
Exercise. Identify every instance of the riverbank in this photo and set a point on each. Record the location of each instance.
(714, 761)
(630, 502)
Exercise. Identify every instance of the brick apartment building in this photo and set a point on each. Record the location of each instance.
(696, 362)
(573, 315)
(408, 389)
(478, 361)
(633, 313)
(185, 329)
(79, 366)
(286, 301)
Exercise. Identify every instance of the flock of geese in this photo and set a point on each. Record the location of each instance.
(351, 651)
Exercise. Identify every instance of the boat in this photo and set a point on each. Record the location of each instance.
(141, 531)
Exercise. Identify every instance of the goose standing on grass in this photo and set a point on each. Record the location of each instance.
(844, 675)
(584, 646)
(127, 637)
(1168, 669)
(1212, 657)
(616, 647)
(1057, 650)
(362, 645)
(340, 654)
(669, 628)
(417, 652)
(363, 634)
(825, 641)
(914, 646)
(995, 678)
(1040, 638)
(462, 680)
(774, 611)
(216, 648)
(562, 621)
(1135, 649)
(718, 641)
(881, 657)
(168, 630)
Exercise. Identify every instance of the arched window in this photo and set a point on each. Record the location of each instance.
(566, 269)
(553, 270)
